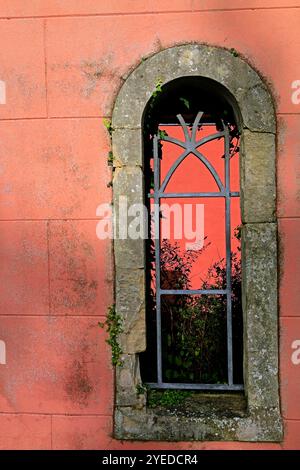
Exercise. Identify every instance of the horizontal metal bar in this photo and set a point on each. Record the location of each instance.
(173, 386)
(193, 143)
(178, 195)
(189, 125)
(191, 291)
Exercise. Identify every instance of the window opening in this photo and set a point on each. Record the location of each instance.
(194, 314)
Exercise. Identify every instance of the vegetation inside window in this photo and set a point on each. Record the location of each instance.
(194, 313)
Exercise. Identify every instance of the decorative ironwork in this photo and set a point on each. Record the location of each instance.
(191, 146)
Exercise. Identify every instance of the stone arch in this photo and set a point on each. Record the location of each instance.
(253, 105)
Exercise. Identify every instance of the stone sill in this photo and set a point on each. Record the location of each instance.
(208, 404)
(157, 424)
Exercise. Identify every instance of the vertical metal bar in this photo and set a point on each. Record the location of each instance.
(225, 192)
(228, 258)
(157, 257)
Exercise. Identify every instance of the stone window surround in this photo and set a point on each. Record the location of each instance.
(254, 109)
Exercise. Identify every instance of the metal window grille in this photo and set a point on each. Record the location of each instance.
(190, 146)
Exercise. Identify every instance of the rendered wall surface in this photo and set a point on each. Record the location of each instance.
(62, 63)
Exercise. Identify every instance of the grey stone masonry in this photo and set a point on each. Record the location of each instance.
(253, 107)
(258, 185)
(243, 83)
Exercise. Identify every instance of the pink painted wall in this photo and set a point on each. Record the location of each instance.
(63, 62)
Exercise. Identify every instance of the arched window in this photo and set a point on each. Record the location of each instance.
(194, 315)
(197, 115)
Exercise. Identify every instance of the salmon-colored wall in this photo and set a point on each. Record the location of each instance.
(63, 62)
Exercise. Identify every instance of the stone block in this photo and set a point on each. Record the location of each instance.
(130, 305)
(259, 271)
(258, 186)
(127, 380)
(127, 147)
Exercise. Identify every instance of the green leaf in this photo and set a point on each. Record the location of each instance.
(185, 102)
(178, 361)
